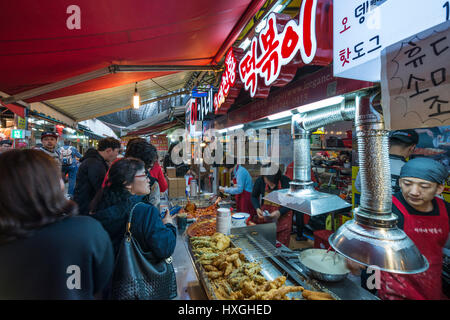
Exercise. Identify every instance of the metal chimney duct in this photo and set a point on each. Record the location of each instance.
(372, 237)
(302, 196)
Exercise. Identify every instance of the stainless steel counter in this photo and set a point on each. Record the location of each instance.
(347, 289)
(190, 288)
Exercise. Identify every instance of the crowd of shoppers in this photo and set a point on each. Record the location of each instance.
(72, 242)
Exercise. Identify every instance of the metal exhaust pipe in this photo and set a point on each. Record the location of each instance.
(302, 196)
(372, 237)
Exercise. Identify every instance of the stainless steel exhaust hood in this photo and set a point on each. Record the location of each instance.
(302, 196)
(372, 238)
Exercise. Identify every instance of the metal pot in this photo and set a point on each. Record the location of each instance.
(317, 162)
(323, 257)
(330, 162)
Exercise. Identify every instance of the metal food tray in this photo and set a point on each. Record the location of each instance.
(200, 203)
(257, 249)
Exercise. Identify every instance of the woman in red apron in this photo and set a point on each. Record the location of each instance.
(283, 216)
(242, 190)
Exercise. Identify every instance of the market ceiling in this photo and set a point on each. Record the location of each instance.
(41, 45)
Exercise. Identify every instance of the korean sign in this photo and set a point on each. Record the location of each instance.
(230, 84)
(362, 28)
(202, 104)
(160, 142)
(416, 80)
(18, 134)
(286, 44)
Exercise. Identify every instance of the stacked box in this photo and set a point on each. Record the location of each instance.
(181, 184)
(177, 187)
(173, 187)
(171, 172)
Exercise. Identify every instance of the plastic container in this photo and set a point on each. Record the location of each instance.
(223, 221)
(238, 219)
(193, 188)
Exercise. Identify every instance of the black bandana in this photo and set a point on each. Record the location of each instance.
(426, 169)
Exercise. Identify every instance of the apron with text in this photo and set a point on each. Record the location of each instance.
(429, 234)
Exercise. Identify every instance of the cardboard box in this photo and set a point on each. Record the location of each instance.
(181, 187)
(177, 187)
(173, 187)
(171, 172)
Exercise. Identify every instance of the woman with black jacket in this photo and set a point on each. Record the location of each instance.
(46, 250)
(282, 215)
(126, 184)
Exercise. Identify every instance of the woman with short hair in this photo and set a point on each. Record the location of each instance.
(46, 250)
(126, 184)
(140, 149)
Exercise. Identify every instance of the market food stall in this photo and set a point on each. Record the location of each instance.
(250, 264)
(255, 268)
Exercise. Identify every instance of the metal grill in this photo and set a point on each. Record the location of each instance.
(254, 247)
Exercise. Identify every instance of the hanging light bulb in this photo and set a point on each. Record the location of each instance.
(136, 102)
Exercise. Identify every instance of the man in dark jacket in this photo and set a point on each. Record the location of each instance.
(92, 171)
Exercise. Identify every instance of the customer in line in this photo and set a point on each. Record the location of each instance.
(46, 251)
(5, 145)
(140, 149)
(49, 141)
(69, 164)
(127, 181)
(92, 171)
(157, 172)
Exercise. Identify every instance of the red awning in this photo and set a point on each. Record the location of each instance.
(38, 48)
(19, 110)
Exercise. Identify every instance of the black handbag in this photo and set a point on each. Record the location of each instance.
(138, 275)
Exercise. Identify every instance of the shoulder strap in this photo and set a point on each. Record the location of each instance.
(130, 216)
(441, 206)
(400, 206)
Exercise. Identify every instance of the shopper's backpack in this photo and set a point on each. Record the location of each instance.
(66, 156)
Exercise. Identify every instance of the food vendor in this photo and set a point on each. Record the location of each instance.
(242, 189)
(424, 217)
(264, 185)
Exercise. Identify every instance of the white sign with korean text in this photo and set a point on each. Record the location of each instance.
(362, 28)
(415, 80)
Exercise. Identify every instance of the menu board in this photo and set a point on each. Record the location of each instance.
(160, 142)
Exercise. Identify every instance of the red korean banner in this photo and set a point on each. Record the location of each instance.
(285, 45)
(230, 84)
(317, 86)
